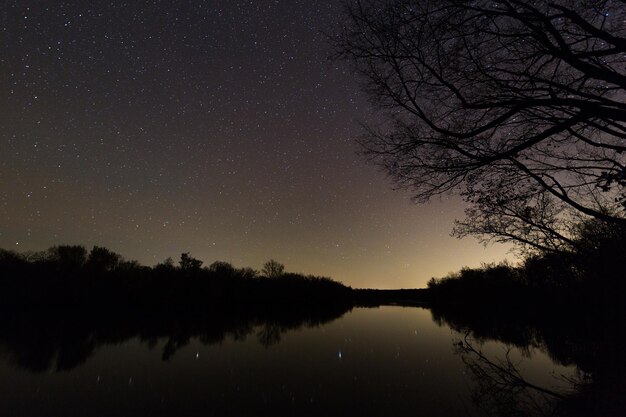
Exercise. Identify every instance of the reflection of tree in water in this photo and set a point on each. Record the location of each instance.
(269, 335)
(172, 346)
(590, 339)
(64, 340)
(501, 389)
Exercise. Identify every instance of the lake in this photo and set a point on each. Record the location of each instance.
(365, 362)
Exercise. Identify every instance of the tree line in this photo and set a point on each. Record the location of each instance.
(546, 282)
(69, 275)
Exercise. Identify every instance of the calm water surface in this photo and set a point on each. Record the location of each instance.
(379, 361)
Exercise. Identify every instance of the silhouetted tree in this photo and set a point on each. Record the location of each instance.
(518, 106)
(248, 273)
(36, 256)
(273, 269)
(102, 259)
(9, 256)
(187, 263)
(130, 266)
(11, 261)
(167, 266)
(222, 268)
(602, 247)
(68, 257)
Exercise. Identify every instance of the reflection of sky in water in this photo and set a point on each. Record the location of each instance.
(369, 362)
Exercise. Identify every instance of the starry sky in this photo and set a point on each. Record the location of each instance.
(219, 128)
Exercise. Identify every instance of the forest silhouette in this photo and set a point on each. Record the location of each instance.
(59, 306)
(70, 276)
(62, 305)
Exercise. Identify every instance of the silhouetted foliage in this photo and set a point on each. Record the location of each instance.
(102, 259)
(568, 303)
(67, 257)
(517, 106)
(10, 258)
(167, 266)
(188, 263)
(248, 273)
(594, 272)
(273, 269)
(601, 249)
(74, 303)
(222, 268)
(67, 277)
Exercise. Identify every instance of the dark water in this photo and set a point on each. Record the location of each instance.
(366, 362)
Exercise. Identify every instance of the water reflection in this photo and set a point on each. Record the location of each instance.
(306, 361)
(60, 340)
(590, 340)
(501, 388)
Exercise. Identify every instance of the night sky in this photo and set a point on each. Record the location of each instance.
(214, 127)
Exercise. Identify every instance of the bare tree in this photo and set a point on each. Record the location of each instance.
(518, 106)
(273, 269)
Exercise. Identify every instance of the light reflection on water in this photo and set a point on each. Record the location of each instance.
(379, 361)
